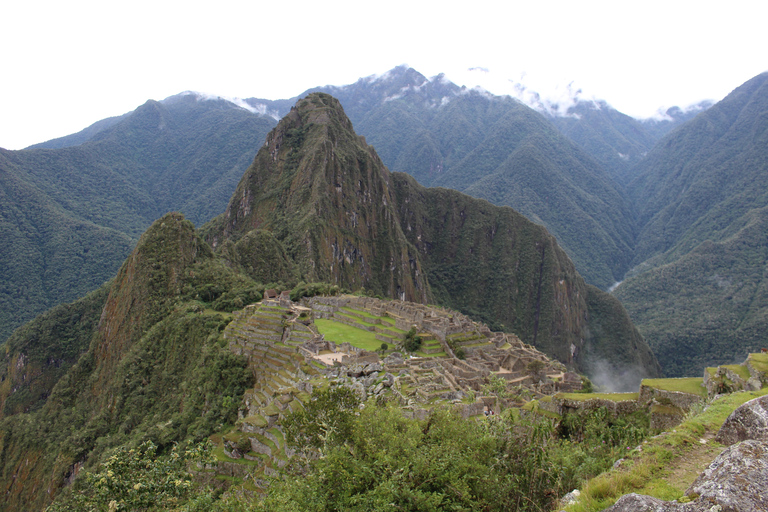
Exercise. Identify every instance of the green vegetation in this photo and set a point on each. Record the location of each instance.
(759, 361)
(650, 470)
(412, 341)
(692, 385)
(137, 479)
(701, 246)
(69, 216)
(505, 462)
(498, 150)
(614, 397)
(164, 376)
(341, 333)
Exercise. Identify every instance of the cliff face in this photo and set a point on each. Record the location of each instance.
(146, 286)
(494, 263)
(327, 198)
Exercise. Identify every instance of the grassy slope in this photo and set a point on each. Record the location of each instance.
(667, 464)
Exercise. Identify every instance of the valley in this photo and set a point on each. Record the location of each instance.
(442, 256)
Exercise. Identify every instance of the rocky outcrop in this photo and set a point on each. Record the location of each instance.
(734, 482)
(749, 421)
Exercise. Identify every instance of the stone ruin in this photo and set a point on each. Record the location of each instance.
(290, 358)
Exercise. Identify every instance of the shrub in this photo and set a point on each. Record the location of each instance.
(412, 341)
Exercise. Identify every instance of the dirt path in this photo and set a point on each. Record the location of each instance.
(685, 468)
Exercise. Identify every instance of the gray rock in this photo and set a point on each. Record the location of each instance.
(748, 421)
(736, 481)
(372, 368)
(640, 503)
(570, 498)
(355, 370)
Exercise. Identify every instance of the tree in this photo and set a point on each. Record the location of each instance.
(325, 421)
(412, 341)
(534, 369)
(138, 479)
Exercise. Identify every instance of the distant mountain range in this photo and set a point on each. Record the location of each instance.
(70, 215)
(616, 193)
(698, 290)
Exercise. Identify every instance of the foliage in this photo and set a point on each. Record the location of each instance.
(38, 354)
(648, 471)
(69, 216)
(497, 386)
(312, 289)
(412, 341)
(504, 462)
(535, 369)
(325, 421)
(703, 212)
(138, 479)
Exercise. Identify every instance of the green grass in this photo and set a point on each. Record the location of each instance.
(692, 385)
(739, 370)
(615, 397)
(649, 471)
(436, 354)
(360, 312)
(759, 361)
(340, 333)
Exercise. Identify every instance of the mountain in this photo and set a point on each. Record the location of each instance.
(614, 139)
(701, 196)
(74, 213)
(497, 149)
(342, 217)
(326, 197)
(139, 359)
(143, 358)
(617, 141)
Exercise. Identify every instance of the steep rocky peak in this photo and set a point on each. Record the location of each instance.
(147, 284)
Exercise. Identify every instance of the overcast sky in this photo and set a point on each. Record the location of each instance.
(67, 64)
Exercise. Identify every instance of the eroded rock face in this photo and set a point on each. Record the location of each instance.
(736, 481)
(640, 503)
(749, 421)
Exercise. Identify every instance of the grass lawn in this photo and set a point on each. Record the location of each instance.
(340, 333)
(759, 361)
(360, 312)
(615, 397)
(692, 385)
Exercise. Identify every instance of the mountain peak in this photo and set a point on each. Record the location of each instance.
(325, 195)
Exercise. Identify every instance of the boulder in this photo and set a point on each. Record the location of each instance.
(640, 503)
(748, 421)
(736, 481)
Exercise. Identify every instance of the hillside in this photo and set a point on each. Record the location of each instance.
(74, 213)
(700, 258)
(133, 341)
